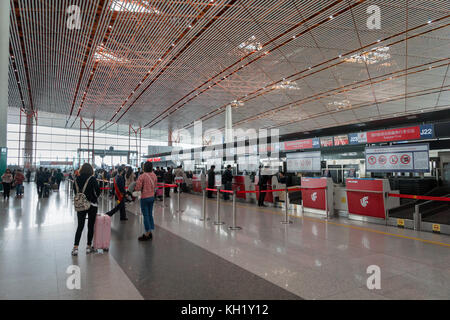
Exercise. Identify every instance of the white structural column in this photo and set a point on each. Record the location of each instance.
(4, 63)
(228, 125)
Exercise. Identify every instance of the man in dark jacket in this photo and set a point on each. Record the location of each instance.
(227, 180)
(119, 189)
(211, 180)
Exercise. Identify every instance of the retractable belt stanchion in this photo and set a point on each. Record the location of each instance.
(417, 218)
(234, 226)
(286, 206)
(204, 218)
(218, 222)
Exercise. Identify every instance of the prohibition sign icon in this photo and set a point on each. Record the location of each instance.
(405, 159)
(393, 159)
(382, 159)
(372, 160)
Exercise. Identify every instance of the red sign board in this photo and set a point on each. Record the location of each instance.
(314, 198)
(326, 142)
(409, 133)
(341, 140)
(154, 159)
(298, 144)
(362, 201)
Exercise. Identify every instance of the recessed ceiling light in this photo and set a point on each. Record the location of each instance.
(430, 21)
(331, 17)
(378, 40)
(340, 56)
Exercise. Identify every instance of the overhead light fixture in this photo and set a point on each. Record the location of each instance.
(102, 54)
(133, 6)
(286, 85)
(340, 105)
(250, 45)
(236, 103)
(373, 56)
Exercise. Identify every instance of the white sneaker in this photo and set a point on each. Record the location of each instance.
(89, 250)
(75, 252)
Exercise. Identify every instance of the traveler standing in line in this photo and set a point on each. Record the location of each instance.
(119, 188)
(7, 179)
(211, 180)
(18, 181)
(58, 177)
(40, 181)
(227, 180)
(179, 176)
(147, 183)
(28, 175)
(168, 179)
(263, 179)
(86, 181)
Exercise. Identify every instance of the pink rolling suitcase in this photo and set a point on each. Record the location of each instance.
(102, 232)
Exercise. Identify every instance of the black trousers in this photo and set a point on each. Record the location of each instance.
(262, 195)
(167, 191)
(121, 207)
(40, 188)
(92, 214)
(228, 186)
(6, 189)
(210, 193)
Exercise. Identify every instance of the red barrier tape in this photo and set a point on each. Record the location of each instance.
(410, 196)
(208, 189)
(226, 191)
(279, 190)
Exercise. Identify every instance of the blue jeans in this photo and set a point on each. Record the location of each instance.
(147, 212)
(18, 191)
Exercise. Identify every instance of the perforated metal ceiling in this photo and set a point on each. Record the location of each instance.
(295, 65)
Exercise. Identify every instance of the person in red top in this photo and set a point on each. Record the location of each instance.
(19, 177)
(147, 183)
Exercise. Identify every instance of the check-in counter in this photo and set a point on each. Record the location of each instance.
(196, 183)
(368, 201)
(239, 183)
(317, 195)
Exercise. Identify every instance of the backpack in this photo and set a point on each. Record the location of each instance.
(80, 200)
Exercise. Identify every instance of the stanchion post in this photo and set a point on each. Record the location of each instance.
(286, 204)
(234, 226)
(326, 202)
(417, 218)
(218, 222)
(163, 205)
(204, 218)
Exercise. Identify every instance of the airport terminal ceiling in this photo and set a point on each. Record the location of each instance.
(292, 65)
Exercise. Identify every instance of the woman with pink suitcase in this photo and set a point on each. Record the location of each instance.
(86, 191)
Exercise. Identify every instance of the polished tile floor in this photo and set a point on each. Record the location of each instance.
(190, 259)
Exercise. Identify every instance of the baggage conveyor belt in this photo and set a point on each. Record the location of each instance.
(433, 212)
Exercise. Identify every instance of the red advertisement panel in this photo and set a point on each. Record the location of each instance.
(365, 203)
(298, 144)
(408, 133)
(314, 198)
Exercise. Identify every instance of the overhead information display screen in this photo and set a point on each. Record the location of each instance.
(303, 161)
(412, 158)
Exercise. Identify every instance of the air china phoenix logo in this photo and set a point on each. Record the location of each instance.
(314, 196)
(364, 201)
